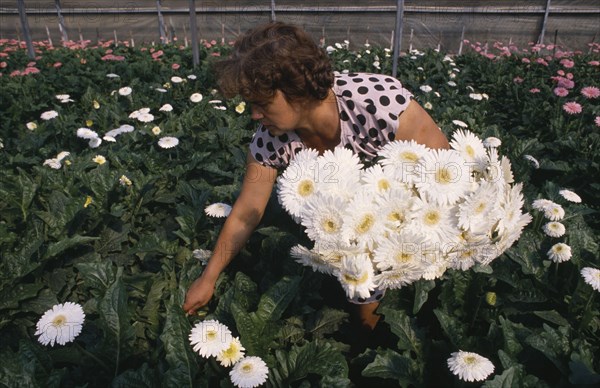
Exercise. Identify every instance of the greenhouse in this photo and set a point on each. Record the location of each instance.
(299, 193)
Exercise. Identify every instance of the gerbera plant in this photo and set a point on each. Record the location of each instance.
(441, 209)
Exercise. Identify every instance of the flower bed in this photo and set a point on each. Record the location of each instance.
(110, 155)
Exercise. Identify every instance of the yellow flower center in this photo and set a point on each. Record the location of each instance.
(432, 217)
(396, 216)
(410, 156)
(247, 368)
(443, 176)
(306, 188)
(470, 360)
(329, 225)
(365, 224)
(211, 335)
(470, 151)
(59, 320)
(403, 257)
(480, 207)
(383, 185)
(467, 253)
(355, 280)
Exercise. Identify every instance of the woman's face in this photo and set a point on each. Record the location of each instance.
(278, 116)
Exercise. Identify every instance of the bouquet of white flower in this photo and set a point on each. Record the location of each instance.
(413, 214)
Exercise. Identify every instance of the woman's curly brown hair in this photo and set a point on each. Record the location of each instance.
(275, 56)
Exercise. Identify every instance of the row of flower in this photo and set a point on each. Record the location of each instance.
(110, 155)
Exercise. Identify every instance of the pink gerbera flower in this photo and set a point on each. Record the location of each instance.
(597, 121)
(572, 108)
(590, 92)
(534, 90)
(561, 92)
(567, 63)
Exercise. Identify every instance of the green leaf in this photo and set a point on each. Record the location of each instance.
(508, 379)
(405, 328)
(111, 238)
(316, 357)
(61, 246)
(552, 316)
(422, 288)
(512, 345)
(454, 329)
(144, 377)
(98, 275)
(554, 344)
(273, 303)
(325, 321)
(391, 365)
(115, 318)
(183, 364)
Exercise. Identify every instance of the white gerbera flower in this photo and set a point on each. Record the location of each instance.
(218, 209)
(161, 90)
(510, 209)
(86, 133)
(399, 251)
(31, 125)
(95, 142)
(168, 142)
(470, 147)
(397, 278)
(53, 163)
(395, 208)
(356, 276)
(445, 177)
(533, 161)
(554, 212)
(61, 324)
(196, 97)
(241, 107)
(297, 183)
(434, 221)
(192, 77)
(476, 96)
(209, 338)
(64, 98)
(109, 139)
(125, 91)
(99, 159)
(541, 204)
(470, 366)
(402, 158)
(311, 259)
(591, 277)
(425, 88)
(49, 115)
(338, 172)
(232, 354)
(362, 225)
(124, 181)
(136, 113)
(559, 253)
(249, 372)
(492, 142)
(323, 218)
(112, 75)
(146, 117)
(156, 130)
(570, 195)
(63, 154)
(202, 254)
(166, 108)
(460, 123)
(176, 80)
(479, 211)
(376, 180)
(554, 229)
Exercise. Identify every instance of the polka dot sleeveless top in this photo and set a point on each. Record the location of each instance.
(369, 107)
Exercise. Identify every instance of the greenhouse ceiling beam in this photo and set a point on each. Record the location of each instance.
(287, 9)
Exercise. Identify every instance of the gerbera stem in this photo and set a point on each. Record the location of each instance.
(583, 322)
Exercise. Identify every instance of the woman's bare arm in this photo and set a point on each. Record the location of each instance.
(416, 124)
(245, 215)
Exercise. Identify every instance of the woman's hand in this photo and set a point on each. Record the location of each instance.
(198, 295)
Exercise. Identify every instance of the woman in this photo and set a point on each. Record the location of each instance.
(300, 103)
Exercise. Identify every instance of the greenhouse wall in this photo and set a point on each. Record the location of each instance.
(426, 24)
